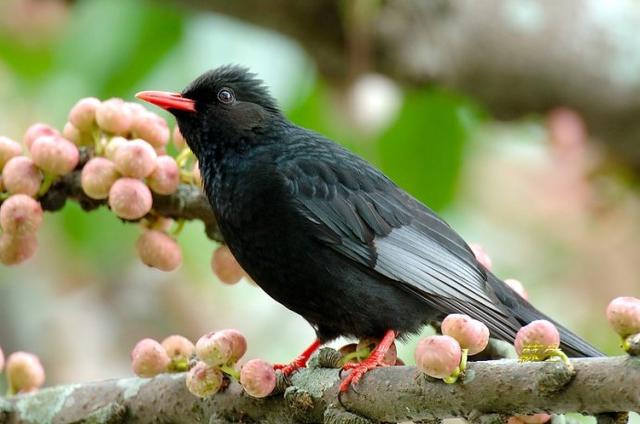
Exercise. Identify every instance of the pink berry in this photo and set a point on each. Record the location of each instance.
(537, 337)
(438, 356)
(152, 128)
(20, 215)
(76, 136)
(148, 358)
(15, 249)
(214, 349)
(98, 175)
(389, 358)
(71, 133)
(130, 198)
(160, 223)
(83, 113)
(166, 177)
(238, 343)
(180, 349)
(481, 255)
(8, 149)
(55, 155)
(135, 159)
(113, 145)
(517, 287)
(532, 419)
(158, 250)
(225, 266)
(203, 380)
(471, 334)
(197, 176)
(567, 129)
(21, 175)
(258, 378)
(178, 139)
(114, 116)
(36, 131)
(24, 372)
(135, 109)
(623, 314)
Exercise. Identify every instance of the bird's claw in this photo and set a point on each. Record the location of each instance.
(288, 369)
(358, 370)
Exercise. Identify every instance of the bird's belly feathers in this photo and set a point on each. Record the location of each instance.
(275, 245)
(337, 296)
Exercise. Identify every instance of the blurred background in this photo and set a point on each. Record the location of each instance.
(518, 121)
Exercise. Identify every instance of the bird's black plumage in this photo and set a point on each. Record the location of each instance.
(326, 233)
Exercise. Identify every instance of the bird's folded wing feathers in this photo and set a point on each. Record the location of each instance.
(364, 216)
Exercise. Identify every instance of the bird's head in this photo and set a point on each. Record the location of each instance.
(224, 106)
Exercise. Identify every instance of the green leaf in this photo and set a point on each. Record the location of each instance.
(113, 44)
(422, 150)
(97, 237)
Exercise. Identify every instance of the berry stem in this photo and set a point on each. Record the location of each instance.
(463, 361)
(178, 227)
(357, 355)
(186, 176)
(625, 342)
(99, 142)
(46, 183)
(231, 372)
(558, 354)
(183, 157)
(179, 365)
(453, 377)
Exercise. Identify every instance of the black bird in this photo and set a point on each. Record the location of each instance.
(327, 234)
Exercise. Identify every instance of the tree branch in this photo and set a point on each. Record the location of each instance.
(507, 387)
(516, 58)
(188, 202)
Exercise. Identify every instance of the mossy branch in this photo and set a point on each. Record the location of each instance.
(600, 386)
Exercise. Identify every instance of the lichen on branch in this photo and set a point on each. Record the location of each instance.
(390, 394)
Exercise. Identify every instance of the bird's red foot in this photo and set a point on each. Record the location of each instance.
(288, 369)
(300, 361)
(375, 360)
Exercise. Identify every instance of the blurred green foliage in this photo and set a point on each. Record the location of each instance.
(109, 48)
(422, 150)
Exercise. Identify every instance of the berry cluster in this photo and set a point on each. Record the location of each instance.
(130, 161)
(209, 362)
(123, 147)
(150, 358)
(445, 356)
(24, 372)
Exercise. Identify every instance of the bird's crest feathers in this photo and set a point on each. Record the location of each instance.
(246, 85)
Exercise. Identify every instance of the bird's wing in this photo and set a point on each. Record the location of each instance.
(360, 213)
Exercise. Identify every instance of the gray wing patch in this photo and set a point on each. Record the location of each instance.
(407, 256)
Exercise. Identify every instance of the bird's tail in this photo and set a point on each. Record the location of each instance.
(524, 313)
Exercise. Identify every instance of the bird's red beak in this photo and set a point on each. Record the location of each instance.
(168, 100)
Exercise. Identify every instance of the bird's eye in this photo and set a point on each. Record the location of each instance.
(226, 96)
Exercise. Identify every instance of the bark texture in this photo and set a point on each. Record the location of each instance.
(188, 202)
(491, 390)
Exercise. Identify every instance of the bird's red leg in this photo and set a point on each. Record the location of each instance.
(300, 361)
(373, 361)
